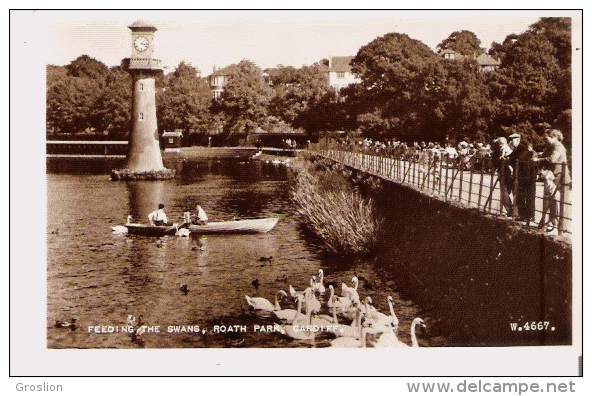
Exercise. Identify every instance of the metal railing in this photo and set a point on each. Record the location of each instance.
(471, 181)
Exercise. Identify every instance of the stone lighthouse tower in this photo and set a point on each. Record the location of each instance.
(144, 160)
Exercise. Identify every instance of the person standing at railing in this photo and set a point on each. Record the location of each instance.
(524, 174)
(504, 171)
(553, 163)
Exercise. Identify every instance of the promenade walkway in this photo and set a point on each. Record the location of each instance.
(440, 178)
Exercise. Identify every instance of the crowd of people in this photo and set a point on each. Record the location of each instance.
(517, 165)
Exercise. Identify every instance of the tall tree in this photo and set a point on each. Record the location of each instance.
(184, 102)
(399, 78)
(245, 100)
(113, 106)
(464, 42)
(533, 84)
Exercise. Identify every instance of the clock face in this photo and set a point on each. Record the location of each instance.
(141, 43)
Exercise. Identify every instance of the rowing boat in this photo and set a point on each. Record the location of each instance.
(247, 226)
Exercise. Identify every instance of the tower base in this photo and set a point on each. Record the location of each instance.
(126, 174)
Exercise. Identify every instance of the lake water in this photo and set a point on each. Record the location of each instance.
(99, 277)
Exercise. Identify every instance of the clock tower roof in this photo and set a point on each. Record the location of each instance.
(143, 26)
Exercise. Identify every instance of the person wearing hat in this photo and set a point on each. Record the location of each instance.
(158, 217)
(525, 172)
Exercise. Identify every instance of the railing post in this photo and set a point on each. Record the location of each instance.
(481, 185)
(446, 183)
(562, 200)
(515, 191)
(460, 182)
(471, 184)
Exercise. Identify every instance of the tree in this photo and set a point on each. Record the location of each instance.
(464, 42)
(87, 67)
(113, 106)
(184, 103)
(400, 78)
(296, 91)
(533, 85)
(69, 103)
(245, 100)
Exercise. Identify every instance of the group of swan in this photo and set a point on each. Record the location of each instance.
(365, 318)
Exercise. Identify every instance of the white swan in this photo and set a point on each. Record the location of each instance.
(351, 342)
(263, 304)
(390, 340)
(300, 329)
(376, 321)
(341, 303)
(394, 318)
(319, 287)
(353, 330)
(122, 229)
(183, 232)
(311, 300)
(294, 293)
(288, 314)
(350, 292)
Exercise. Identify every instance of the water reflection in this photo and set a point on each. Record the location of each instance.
(144, 197)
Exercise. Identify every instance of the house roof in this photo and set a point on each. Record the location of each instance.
(174, 134)
(340, 64)
(483, 59)
(487, 60)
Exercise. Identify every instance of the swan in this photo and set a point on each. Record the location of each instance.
(350, 292)
(351, 342)
(377, 322)
(390, 340)
(353, 330)
(119, 229)
(294, 293)
(300, 327)
(311, 300)
(341, 303)
(70, 325)
(319, 287)
(263, 304)
(183, 232)
(288, 314)
(394, 320)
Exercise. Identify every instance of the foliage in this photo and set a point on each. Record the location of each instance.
(407, 92)
(337, 214)
(184, 103)
(464, 42)
(400, 79)
(245, 100)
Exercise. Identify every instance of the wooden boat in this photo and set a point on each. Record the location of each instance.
(148, 230)
(247, 226)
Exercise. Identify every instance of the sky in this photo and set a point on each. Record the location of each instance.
(218, 38)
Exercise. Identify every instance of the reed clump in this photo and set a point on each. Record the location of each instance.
(327, 205)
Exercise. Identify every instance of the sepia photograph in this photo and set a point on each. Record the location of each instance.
(241, 186)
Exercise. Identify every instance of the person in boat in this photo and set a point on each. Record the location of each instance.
(199, 216)
(158, 217)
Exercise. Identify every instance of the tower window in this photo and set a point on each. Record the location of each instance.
(141, 116)
(141, 86)
(340, 74)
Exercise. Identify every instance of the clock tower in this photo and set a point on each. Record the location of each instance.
(144, 150)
